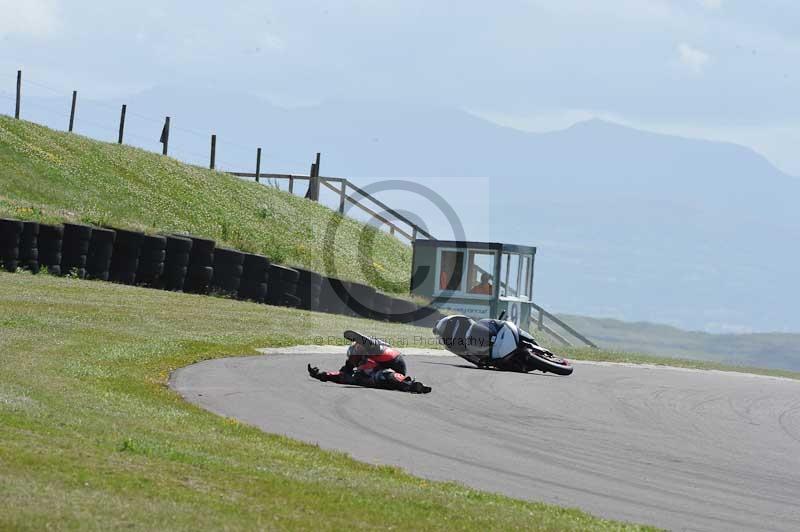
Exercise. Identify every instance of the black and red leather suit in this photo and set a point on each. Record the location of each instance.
(376, 366)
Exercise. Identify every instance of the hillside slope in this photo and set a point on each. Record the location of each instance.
(53, 176)
(766, 350)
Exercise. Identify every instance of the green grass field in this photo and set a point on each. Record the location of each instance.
(93, 439)
(53, 176)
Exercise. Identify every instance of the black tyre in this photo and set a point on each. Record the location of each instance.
(200, 245)
(122, 277)
(198, 279)
(9, 265)
(150, 268)
(381, 308)
(361, 299)
(53, 269)
(153, 255)
(28, 254)
(255, 268)
(10, 232)
(228, 270)
(50, 245)
(283, 274)
(282, 287)
(49, 260)
(78, 231)
(178, 244)
(149, 273)
(9, 254)
(128, 243)
(173, 280)
(98, 259)
(252, 291)
(175, 261)
(224, 257)
(74, 249)
(547, 361)
(97, 275)
(402, 310)
(286, 300)
(29, 246)
(309, 286)
(334, 296)
(32, 265)
(202, 253)
(226, 285)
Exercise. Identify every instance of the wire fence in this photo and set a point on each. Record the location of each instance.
(117, 122)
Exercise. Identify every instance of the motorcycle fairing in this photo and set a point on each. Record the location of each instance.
(506, 341)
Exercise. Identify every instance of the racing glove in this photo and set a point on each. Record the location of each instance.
(316, 373)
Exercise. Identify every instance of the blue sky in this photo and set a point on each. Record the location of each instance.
(719, 69)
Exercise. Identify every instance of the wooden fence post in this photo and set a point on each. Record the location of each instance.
(165, 137)
(291, 184)
(310, 191)
(342, 196)
(540, 321)
(72, 110)
(19, 93)
(258, 165)
(213, 161)
(122, 123)
(414, 234)
(316, 177)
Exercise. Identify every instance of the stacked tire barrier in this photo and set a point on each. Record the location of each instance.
(125, 257)
(381, 308)
(10, 232)
(75, 249)
(309, 288)
(283, 286)
(50, 242)
(176, 262)
(29, 247)
(361, 300)
(255, 276)
(201, 266)
(192, 264)
(228, 269)
(98, 260)
(152, 255)
(334, 296)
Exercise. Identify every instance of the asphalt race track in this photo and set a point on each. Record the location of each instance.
(680, 449)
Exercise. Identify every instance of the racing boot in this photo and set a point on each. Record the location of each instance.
(418, 387)
(410, 385)
(373, 345)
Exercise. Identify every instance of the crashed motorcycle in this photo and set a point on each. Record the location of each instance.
(497, 344)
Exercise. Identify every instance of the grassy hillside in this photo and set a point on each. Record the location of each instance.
(53, 176)
(92, 438)
(766, 350)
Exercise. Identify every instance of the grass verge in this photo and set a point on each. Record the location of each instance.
(92, 438)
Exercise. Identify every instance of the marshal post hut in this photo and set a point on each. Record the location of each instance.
(477, 279)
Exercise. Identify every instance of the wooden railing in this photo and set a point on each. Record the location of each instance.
(540, 320)
(362, 200)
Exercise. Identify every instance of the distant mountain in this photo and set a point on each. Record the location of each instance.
(629, 224)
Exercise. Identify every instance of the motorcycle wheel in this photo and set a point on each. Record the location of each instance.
(548, 362)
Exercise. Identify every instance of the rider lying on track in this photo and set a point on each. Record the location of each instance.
(372, 363)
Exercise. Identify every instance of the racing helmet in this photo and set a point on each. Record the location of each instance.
(356, 354)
